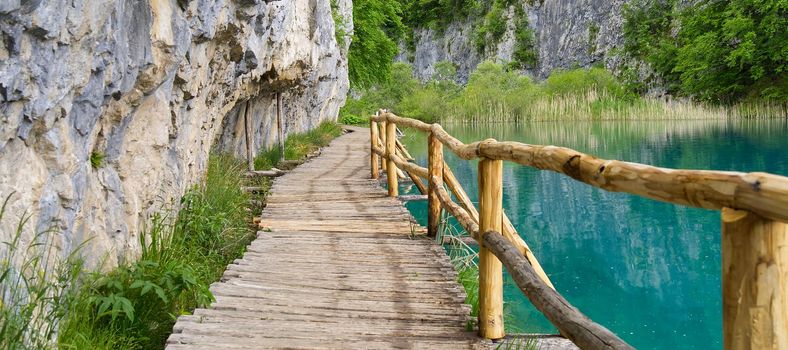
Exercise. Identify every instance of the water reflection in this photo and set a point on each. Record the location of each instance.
(647, 270)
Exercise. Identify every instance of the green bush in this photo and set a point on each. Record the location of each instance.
(350, 119)
(563, 82)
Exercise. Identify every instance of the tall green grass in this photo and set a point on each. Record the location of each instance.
(49, 302)
(299, 145)
(136, 304)
(35, 286)
(494, 94)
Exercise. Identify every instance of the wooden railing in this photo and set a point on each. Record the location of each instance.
(754, 231)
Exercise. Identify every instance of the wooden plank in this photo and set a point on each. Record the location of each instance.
(344, 266)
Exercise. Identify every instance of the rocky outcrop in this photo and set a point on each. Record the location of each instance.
(568, 33)
(150, 86)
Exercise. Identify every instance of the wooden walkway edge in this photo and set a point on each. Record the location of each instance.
(340, 265)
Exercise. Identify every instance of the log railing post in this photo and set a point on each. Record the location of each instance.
(373, 142)
(490, 268)
(435, 167)
(382, 134)
(391, 168)
(754, 281)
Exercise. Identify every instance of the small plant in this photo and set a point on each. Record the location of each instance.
(96, 159)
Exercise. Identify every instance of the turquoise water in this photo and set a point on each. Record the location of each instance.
(647, 270)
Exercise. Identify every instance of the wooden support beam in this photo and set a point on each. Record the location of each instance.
(274, 172)
(374, 159)
(435, 169)
(754, 281)
(382, 135)
(280, 126)
(570, 322)
(391, 168)
(412, 198)
(490, 268)
(249, 142)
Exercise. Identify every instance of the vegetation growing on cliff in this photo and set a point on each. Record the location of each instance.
(720, 51)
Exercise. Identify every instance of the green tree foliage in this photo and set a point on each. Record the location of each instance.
(377, 26)
(719, 51)
(437, 14)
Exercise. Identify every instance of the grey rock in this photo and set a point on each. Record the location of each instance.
(561, 30)
(155, 86)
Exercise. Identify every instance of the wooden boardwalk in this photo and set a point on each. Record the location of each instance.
(340, 266)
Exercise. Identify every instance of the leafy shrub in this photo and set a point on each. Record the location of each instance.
(377, 26)
(350, 119)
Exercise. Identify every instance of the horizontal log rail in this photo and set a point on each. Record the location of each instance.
(761, 193)
(759, 239)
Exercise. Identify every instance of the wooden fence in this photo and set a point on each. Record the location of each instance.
(754, 231)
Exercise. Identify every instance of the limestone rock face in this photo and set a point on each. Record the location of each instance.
(152, 86)
(568, 33)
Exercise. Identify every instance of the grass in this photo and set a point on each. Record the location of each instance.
(136, 304)
(96, 159)
(35, 289)
(495, 93)
(299, 146)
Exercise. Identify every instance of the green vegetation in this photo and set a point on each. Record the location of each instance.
(136, 304)
(593, 35)
(96, 159)
(495, 93)
(524, 55)
(492, 26)
(719, 51)
(340, 24)
(377, 27)
(350, 119)
(34, 294)
(133, 306)
(437, 14)
(299, 146)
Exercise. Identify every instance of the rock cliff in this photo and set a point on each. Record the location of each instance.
(149, 88)
(567, 33)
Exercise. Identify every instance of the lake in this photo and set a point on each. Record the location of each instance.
(649, 271)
